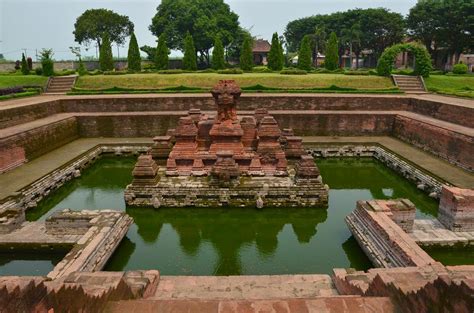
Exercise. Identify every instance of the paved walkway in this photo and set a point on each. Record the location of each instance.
(26, 174)
(244, 287)
(444, 170)
(45, 98)
(29, 172)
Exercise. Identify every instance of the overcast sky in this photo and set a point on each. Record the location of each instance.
(36, 24)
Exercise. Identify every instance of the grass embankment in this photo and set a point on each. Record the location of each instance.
(8, 81)
(22, 80)
(462, 86)
(208, 80)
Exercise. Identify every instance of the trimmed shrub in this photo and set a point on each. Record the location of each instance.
(275, 56)
(24, 65)
(208, 70)
(261, 69)
(17, 65)
(331, 62)
(231, 71)
(460, 68)
(304, 54)
(217, 61)
(106, 60)
(133, 57)
(422, 59)
(246, 54)
(295, 71)
(115, 73)
(162, 52)
(39, 71)
(189, 59)
(82, 69)
(47, 63)
(173, 71)
(30, 63)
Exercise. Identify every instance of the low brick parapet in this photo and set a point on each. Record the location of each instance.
(456, 209)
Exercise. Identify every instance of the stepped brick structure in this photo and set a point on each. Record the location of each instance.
(226, 148)
(199, 139)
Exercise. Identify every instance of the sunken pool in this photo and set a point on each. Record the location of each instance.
(219, 241)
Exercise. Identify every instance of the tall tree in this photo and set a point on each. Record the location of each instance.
(331, 61)
(447, 24)
(24, 65)
(218, 61)
(380, 28)
(319, 42)
(93, 24)
(106, 60)
(134, 59)
(351, 37)
(161, 55)
(246, 54)
(304, 54)
(275, 59)
(189, 59)
(203, 19)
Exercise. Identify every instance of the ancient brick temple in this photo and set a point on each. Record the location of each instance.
(226, 159)
(253, 142)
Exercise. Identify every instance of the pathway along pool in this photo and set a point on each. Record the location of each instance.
(238, 241)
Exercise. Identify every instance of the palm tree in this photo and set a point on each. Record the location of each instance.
(319, 41)
(351, 36)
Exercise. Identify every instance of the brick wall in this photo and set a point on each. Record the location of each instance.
(454, 147)
(43, 139)
(24, 114)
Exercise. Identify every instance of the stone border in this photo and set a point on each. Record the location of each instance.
(29, 196)
(423, 180)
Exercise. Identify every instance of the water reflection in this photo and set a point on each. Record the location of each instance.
(238, 241)
(229, 231)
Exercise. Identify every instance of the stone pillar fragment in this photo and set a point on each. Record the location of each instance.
(456, 209)
(294, 147)
(145, 171)
(161, 147)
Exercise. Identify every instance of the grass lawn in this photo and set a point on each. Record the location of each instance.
(208, 80)
(451, 85)
(22, 80)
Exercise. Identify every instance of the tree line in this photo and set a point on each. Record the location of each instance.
(445, 27)
(196, 27)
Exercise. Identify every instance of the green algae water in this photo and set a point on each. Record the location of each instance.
(218, 241)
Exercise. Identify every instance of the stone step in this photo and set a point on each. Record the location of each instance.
(244, 287)
(326, 304)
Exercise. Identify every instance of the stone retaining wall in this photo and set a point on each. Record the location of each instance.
(102, 232)
(43, 139)
(29, 196)
(454, 147)
(424, 181)
(383, 241)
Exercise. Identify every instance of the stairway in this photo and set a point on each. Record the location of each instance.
(60, 84)
(410, 84)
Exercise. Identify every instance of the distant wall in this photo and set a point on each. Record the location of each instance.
(90, 65)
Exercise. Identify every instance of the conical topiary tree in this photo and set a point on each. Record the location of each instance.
(218, 62)
(106, 60)
(24, 65)
(304, 54)
(162, 52)
(275, 56)
(246, 54)
(134, 59)
(189, 59)
(331, 62)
